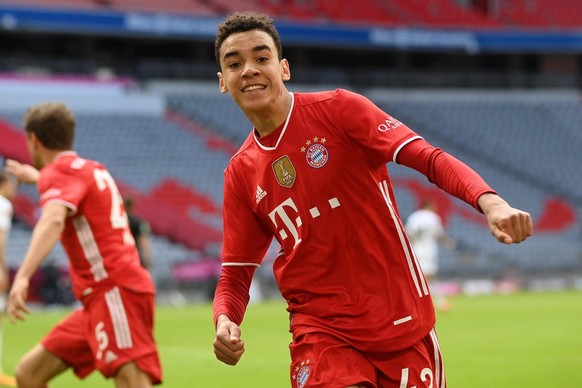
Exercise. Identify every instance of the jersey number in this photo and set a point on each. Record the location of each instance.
(104, 181)
(425, 374)
(102, 339)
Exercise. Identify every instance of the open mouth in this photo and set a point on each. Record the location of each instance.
(252, 88)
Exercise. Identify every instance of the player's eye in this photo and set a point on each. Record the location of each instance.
(233, 65)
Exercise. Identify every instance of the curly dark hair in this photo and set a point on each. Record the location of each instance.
(53, 124)
(246, 21)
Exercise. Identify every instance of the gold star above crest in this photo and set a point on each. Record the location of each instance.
(307, 361)
(293, 377)
(296, 368)
(308, 142)
(323, 140)
(315, 139)
(302, 363)
(303, 149)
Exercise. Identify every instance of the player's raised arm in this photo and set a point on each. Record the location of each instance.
(507, 224)
(24, 172)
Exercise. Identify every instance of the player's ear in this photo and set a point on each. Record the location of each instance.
(221, 85)
(285, 70)
(32, 140)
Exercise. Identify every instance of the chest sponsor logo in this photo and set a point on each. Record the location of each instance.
(316, 153)
(284, 171)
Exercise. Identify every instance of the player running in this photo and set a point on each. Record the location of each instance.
(81, 205)
(312, 173)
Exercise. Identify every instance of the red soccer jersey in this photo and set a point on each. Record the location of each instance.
(96, 236)
(320, 186)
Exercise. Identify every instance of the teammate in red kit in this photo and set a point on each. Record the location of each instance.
(81, 205)
(313, 175)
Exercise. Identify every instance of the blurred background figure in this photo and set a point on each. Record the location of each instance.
(7, 191)
(425, 231)
(140, 230)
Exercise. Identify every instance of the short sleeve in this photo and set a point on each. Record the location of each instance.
(62, 184)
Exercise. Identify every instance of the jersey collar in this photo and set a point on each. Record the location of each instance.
(65, 153)
(265, 148)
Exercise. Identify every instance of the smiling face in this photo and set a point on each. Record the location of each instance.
(252, 73)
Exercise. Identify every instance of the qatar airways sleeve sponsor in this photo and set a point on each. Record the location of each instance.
(389, 124)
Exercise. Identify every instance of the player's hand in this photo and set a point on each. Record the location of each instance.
(24, 172)
(507, 224)
(17, 300)
(228, 347)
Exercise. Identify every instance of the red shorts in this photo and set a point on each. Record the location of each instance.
(116, 328)
(320, 360)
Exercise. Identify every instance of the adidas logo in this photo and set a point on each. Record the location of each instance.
(110, 357)
(260, 193)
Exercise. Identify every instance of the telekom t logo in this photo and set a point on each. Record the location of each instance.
(287, 210)
(287, 221)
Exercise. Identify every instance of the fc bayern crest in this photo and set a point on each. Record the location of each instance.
(317, 155)
(303, 376)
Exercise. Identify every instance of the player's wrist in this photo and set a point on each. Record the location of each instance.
(222, 319)
(489, 201)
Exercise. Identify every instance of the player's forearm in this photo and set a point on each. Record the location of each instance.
(232, 293)
(444, 170)
(24, 172)
(45, 235)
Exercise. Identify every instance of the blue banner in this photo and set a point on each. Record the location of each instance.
(203, 28)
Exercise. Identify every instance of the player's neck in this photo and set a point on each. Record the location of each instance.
(50, 156)
(268, 120)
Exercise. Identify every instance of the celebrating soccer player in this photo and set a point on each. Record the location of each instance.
(312, 174)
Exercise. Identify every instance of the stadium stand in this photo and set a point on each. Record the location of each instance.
(541, 13)
(555, 14)
(170, 147)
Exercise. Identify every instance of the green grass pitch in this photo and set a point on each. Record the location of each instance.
(523, 340)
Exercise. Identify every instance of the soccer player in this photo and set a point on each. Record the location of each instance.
(425, 231)
(7, 189)
(140, 230)
(81, 205)
(312, 174)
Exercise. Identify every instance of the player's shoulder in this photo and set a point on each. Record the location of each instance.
(69, 167)
(240, 154)
(309, 98)
(73, 163)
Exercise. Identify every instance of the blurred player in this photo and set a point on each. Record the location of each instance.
(81, 205)
(7, 189)
(313, 174)
(425, 231)
(140, 230)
